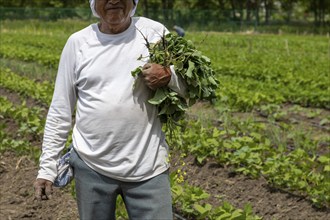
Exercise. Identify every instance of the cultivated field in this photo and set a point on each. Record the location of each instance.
(261, 151)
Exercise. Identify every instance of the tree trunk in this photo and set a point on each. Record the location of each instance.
(256, 10)
(222, 8)
(145, 8)
(241, 11)
(165, 9)
(233, 9)
(268, 7)
(322, 12)
(248, 10)
(22, 3)
(316, 13)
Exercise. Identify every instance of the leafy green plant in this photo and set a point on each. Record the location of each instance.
(250, 152)
(191, 203)
(190, 64)
(29, 88)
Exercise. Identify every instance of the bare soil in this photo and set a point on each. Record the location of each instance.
(18, 172)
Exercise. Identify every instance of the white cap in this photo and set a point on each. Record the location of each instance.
(92, 4)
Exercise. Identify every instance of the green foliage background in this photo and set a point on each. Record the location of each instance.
(253, 12)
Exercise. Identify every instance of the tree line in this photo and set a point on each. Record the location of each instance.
(237, 10)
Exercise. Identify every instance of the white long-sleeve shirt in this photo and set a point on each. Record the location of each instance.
(117, 132)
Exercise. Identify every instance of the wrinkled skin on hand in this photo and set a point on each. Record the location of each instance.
(43, 189)
(156, 75)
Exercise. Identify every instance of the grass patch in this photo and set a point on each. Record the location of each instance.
(31, 70)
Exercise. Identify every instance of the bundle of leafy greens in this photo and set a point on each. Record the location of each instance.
(191, 65)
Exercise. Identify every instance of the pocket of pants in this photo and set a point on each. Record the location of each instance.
(72, 157)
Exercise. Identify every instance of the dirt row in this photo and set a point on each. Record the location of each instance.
(17, 174)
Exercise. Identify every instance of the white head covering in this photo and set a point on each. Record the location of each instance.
(92, 4)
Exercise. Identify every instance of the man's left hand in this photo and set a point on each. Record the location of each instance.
(156, 75)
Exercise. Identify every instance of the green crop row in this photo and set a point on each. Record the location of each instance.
(24, 86)
(253, 69)
(189, 199)
(29, 53)
(245, 94)
(38, 44)
(29, 120)
(259, 69)
(255, 149)
(21, 147)
(53, 43)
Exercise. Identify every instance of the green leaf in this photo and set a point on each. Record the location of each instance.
(324, 159)
(191, 67)
(212, 80)
(178, 65)
(324, 121)
(237, 214)
(136, 72)
(326, 168)
(224, 216)
(159, 97)
(202, 210)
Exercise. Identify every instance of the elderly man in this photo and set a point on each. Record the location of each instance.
(118, 145)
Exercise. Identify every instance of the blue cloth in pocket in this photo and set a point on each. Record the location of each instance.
(64, 170)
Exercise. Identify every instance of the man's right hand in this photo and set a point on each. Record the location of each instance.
(43, 189)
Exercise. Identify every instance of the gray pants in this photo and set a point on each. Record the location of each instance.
(97, 195)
